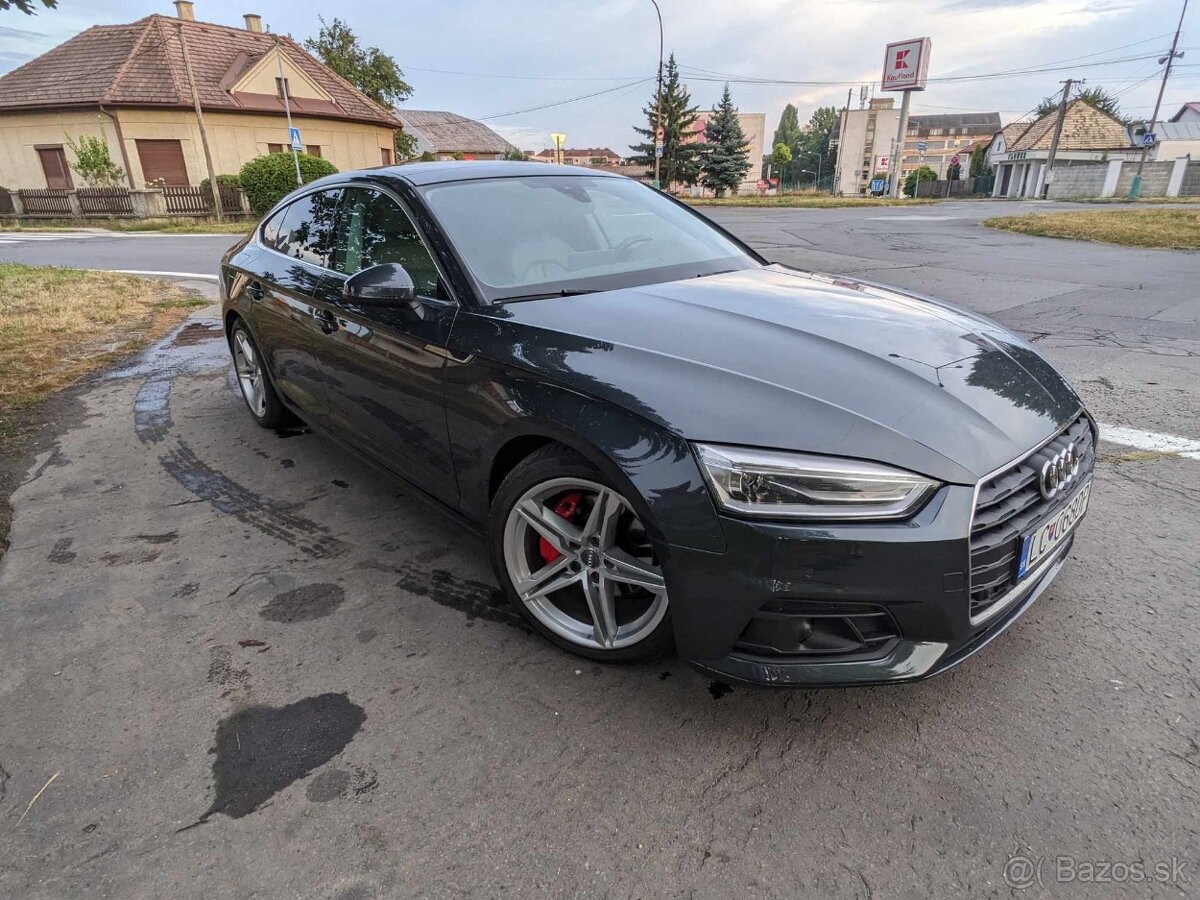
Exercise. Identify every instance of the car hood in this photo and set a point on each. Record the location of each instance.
(773, 357)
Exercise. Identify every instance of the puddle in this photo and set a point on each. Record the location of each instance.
(195, 332)
(303, 604)
(261, 750)
(196, 345)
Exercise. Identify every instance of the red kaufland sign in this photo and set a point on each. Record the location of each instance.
(905, 65)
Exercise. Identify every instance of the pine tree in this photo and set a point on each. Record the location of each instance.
(681, 153)
(726, 156)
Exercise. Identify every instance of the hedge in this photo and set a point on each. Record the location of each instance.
(267, 179)
(232, 181)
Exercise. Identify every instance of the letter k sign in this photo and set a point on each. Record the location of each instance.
(900, 55)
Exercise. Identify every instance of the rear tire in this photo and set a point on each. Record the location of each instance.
(255, 381)
(572, 555)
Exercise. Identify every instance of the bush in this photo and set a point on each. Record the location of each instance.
(226, 181)
(267, 179)
(926, 175)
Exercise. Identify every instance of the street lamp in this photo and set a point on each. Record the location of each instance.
(658, 101)
(810, 172)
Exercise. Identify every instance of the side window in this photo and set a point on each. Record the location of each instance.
(305, 229)
(375, 230)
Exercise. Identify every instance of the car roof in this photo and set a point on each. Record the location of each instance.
(422, 173)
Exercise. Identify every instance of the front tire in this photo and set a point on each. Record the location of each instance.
(573, 556)
(254, 380)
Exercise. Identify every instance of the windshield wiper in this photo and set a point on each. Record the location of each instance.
(718, 272)
(544, 295)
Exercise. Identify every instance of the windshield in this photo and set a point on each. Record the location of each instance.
(551, 234)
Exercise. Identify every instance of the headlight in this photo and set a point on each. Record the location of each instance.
(778, 485)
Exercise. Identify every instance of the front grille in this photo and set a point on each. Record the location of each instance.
(1009, 505)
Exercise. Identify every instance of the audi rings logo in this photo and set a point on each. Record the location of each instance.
(1059, 471)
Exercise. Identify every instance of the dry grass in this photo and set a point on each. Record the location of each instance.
(1177, 229)
(182, 225)
(57, 325)
(803, 201)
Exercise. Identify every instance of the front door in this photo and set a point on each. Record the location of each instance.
(277, 284)
(384, 365)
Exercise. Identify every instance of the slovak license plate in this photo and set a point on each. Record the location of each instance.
(1050, 534)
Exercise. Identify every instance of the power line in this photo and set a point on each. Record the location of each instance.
(550, 105)
(519, 77)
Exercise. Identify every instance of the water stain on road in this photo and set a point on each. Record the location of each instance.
(165, 538)
(261, 750)
(719, 689)
(302, 604)
(62, 553)
(152, 409)
(196, 332)
(477, 599)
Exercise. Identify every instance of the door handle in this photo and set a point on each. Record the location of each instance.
(325, 320)
(254, 289)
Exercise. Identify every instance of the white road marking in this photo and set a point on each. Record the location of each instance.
(1150, 440)
(15, 237)
(163, 274)
(913, 218)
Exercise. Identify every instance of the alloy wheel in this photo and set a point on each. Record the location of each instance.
(579, 559)
(249, 373)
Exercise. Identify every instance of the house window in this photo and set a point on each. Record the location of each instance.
(274, 148)
(54, 166)
(162, 161)
(282, 87)
(312, 150)
(385, 156)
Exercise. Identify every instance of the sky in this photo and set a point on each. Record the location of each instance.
(494, 60)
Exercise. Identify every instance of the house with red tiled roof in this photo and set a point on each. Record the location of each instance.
(132, 85)
(580, 156)
(1020, 151)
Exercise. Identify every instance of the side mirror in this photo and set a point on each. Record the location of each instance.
(387, 284)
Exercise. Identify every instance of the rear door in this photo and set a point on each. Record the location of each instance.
(281, 274)
(384, 365)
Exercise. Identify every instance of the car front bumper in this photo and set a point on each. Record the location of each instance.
(915, 575)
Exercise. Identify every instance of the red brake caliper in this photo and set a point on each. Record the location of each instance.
(566, 508)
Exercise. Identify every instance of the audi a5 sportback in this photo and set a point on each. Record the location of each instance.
(795, 478)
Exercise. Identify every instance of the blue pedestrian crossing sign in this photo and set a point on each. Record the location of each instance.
(295, 138)
(1149, 138)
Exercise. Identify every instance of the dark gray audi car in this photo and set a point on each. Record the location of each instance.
(793, 478)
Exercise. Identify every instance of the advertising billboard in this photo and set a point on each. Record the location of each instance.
(905, 65)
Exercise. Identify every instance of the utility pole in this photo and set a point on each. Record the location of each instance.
(1058, 127)
(837, 166)
(212, 174)
(898, 150)
(1135, 189)
(287, 109)
(658, 129)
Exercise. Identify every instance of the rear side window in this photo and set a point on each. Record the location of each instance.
(304, 229)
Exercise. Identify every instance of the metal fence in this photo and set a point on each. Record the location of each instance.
(45, 203)
(105, 201)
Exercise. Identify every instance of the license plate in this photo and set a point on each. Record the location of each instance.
(1050, 534)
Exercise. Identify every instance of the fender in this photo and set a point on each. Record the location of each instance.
(496, 405)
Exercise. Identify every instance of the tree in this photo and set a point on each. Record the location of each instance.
(816, 136)
(1095, 96)
(428, 157)
(953, 172)
(26, 6)
(515, 155)
(681, 152)
(979, 161)
(789, 134)
(267, 179)
(726, 157)
(370, 70)
(923, 173)
(780, 157)
(93, 163)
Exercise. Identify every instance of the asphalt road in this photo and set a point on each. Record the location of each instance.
(261, 670)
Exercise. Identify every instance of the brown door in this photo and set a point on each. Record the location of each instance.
(54, 165)
(162, 159)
